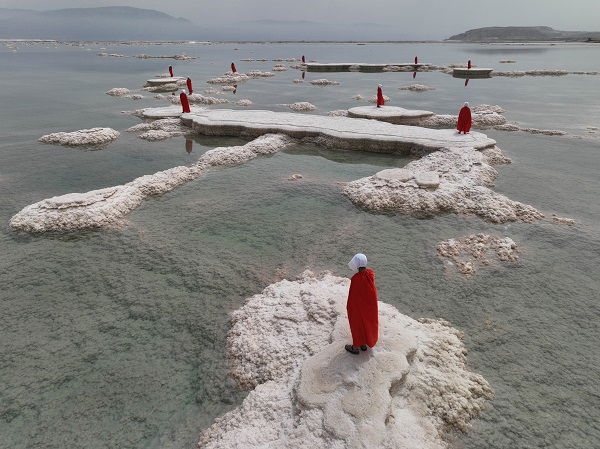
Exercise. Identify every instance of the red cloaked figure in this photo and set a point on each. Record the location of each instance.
(469, 64)
(464, 119)
(362, 309)
(171, 71)
(380, 99)
(416, 59)
(233, 69)
(189, 86)
(185, 104)
(303, 59)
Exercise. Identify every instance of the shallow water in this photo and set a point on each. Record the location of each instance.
(117, 338)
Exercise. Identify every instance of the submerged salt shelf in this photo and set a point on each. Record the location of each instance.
(161, 81)
(287, 345)
(391, 114)
(358, 66)
(473, 72)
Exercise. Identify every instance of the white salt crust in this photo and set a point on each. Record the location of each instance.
(84, 137)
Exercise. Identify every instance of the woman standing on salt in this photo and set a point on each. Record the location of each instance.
(362, 306)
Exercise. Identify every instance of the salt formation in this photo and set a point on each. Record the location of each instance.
(302, 106)
(181, 57)
(295, 177)
(512, 127)
(507, 61)
(469, 253)
(287, 345)
(417, 88)
(160, 129)
(230, 78)
(324, 82)
(259, 74)
(563, 220)
(462, 186)
(338, 113)
(134, 96)
(298, 81)
(244, 102)
(198, 99)
(538, 72)
(227, 89)
(154, 82)
(83, 137)
(114, 55)
(118, 92)
(107, 207)
(279, 68)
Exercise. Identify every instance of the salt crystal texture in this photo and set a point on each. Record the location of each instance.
(83, 137)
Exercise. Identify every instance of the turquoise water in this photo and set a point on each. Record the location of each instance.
(117, 338)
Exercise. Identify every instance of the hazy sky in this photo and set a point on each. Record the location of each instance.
(420, 18)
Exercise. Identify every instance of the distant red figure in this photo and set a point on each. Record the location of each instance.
(303, 60)
(233, 69)
(189, 86)
(416, 59)
(171, 71)
(363, 314)
(464, 119)
(469, 64)
(380, 99)
(189, 144)
(185, 104)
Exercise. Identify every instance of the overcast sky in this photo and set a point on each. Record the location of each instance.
(422, 19)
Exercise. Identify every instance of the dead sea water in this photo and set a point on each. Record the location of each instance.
(116, 338)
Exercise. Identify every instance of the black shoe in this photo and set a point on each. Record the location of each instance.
(364, 347)
(351, 349)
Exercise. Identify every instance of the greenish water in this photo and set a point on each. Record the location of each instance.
(116, 339)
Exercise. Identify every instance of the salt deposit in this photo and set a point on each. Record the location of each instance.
(324, 82)
(298, 81)
(537, 72)
(512, 127)
(160, 129)
(118, 92)
(83, 137)
(563, 220)
(198, 99)
(244, 102)
(295, 177)
(473, 72)
(302, 106)
(259, 74)
(181, 57)
(230, 78)
(161, 81)
(508, 61)
(391, 114)
(108, 207)
(228, 88)
(166, 112)
(468, 254)
(338, 113)
(134, 96)
(279, 68)
(417, 88)
(287, 345)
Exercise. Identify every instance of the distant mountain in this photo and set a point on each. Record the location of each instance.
(520, 34)
(108, 23)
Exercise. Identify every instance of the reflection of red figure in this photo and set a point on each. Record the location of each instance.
(464, 119)
(416, 60)
(171, 71)
(234, 89)
(303, 60)
(233, 68)
(469, 64)
(466, 82)
(414, 75)
(185, 104)
(189, 144)
(380, 99)
(303, 75)
(189, 86)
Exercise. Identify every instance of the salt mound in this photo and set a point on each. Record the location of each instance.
(243, 102)
(302, 106)
(160, 129)
(230, 78)
(108, 207)
(417, 88)
(259, 74)
(118, 92)
(287, 344)
(538, 72)
(134, 96)
(324, 82)
(198, 99)
(228, 89)
(512, 127)
(279, 68)
(338, 113)
(298, 81)
(469, 253)
(83, 137)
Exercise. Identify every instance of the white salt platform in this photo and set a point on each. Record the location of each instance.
(391, 114)
(161, 81)
(476, 72)
(357, 66)
(338, 132)
(167, 112)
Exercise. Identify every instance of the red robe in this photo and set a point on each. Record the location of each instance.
(185, 104)
(303, 60)
(362, 309)
(464, 120)
(233, 67)
(189, 86)
(380, 100)
(171, 71)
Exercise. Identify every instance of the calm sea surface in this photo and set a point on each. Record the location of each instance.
(116, 339)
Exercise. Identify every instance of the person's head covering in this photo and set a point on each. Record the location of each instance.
(381, 85)
(359, 260)
(466, 104)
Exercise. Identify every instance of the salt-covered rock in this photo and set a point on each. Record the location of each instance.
(83, 137)
(134, 96)
(229, 79)
(563, 220)
(287, 345)
(244, 102)
(338, 113)
(536, 72)
(417, 88)
(428, 179)
(298, 81)
(470, 253)
(324, 82)
(302, 106)
(279, 68)
(395, 175)
(108, 207)
(295, 177)
(259, 74)
(198, 99)
(118, 92)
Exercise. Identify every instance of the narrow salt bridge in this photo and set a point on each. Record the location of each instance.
(473, 72)
(342, 132)
(360, 66)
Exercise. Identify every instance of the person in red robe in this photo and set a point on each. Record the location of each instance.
(185, 104)
(469, 64)
(189, 86)
(464, 119)
(416, 59)
(233, 69)
(303, 59)
(380, 99)
(171, 71)
(362, 306)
